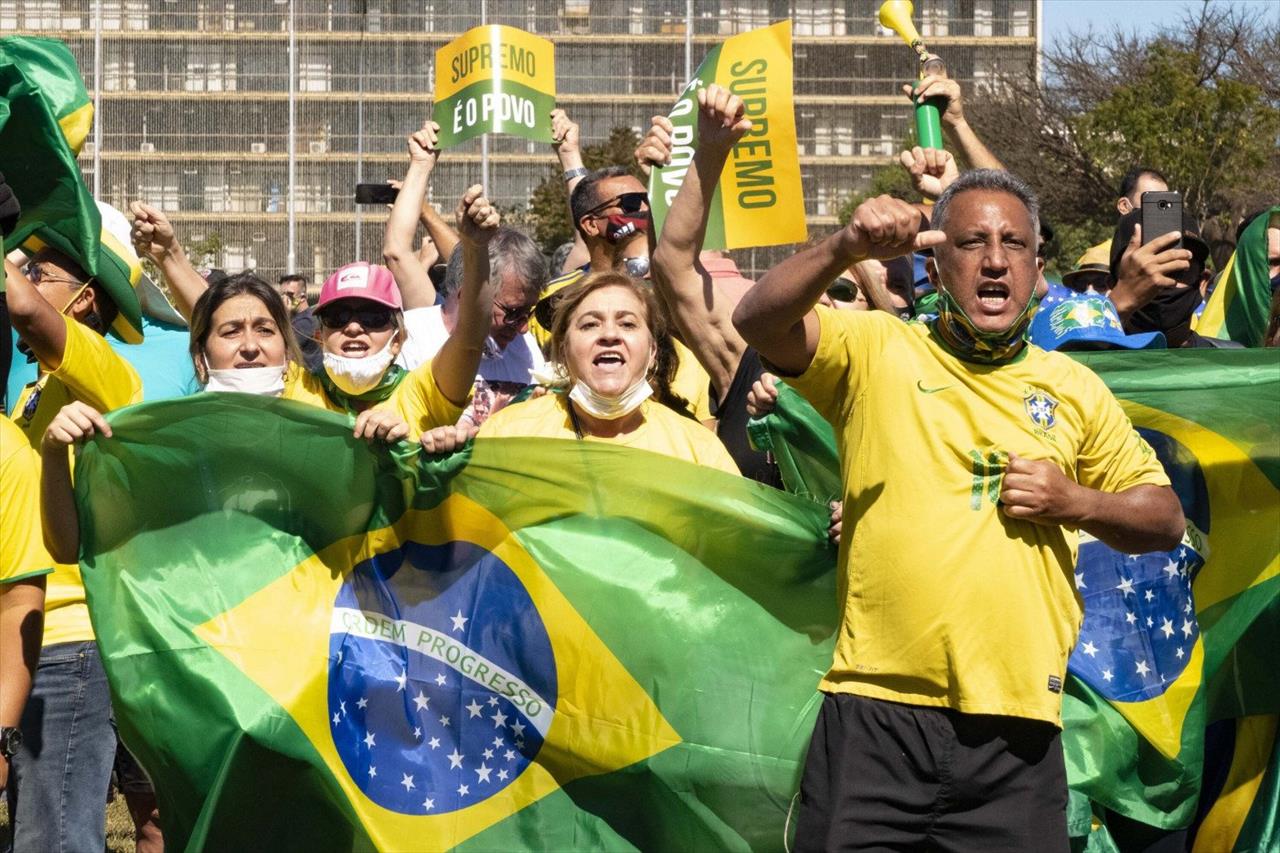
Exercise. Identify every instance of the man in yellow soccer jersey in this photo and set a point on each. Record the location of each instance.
(969, 458)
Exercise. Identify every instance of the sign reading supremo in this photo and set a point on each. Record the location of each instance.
(759, 200)
(495, 79)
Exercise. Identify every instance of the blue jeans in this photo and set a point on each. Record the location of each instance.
(59, 778)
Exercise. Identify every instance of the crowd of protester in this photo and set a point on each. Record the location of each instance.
(640, 340)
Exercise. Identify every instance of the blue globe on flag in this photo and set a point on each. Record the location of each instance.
(442, 679)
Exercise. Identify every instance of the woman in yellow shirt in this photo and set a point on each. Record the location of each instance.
(604, 337)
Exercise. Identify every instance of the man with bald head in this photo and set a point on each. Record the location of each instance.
(969, 460)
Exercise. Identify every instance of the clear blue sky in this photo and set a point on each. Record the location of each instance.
(1063, 16)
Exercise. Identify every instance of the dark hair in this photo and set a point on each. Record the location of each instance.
(1129, 182)
(293, 276)
(246, 283)
(509, 249)
(559, 256)
(586, 194)
(665, 363)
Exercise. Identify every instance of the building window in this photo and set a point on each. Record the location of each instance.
(982, 17)
(124, 15)
(315, 74)
(119, 69)
(210, 68)
(158, 184)
(818, 18)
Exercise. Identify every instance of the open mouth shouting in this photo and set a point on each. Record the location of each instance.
(610, 359)
(355, 348)
(993, 297)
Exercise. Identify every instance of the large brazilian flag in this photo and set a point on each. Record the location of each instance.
(315, 644)
(1171, 641)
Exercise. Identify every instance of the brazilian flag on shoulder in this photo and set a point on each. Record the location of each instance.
(316, 645)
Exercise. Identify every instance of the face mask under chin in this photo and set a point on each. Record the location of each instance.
(960, 333)
(358, 375)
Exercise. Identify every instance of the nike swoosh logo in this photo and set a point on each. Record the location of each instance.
(920, 385)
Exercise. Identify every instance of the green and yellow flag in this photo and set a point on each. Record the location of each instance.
(759, 200)
(470, 653)
(495, 79)
(45, 116)
(1171, 641)
(1240, 306)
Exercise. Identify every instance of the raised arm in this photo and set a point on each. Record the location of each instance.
(456, 364)
(566, 139)
(776, 316)
(154, 236)
(702, 314)
(411, 276)
(39, 323)
(954, 124)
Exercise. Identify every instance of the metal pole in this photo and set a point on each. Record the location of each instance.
(688, 40)
(1039, 42)
(291, 259)
(97, 100)
(484, 137)
(364, 23)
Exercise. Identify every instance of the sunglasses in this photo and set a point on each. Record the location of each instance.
(36, 274)
(513, 316)
(372, 319)
(629, 203)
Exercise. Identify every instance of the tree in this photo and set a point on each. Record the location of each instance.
(548, 210)
(1196, 101)
(887, 180)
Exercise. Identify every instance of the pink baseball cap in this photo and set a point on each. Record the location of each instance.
(361, 280)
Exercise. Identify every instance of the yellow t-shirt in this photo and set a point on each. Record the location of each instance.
(663, 431)
(946, 601)
(92, 372)
(417, 398)
(22, 552)
(692, 382)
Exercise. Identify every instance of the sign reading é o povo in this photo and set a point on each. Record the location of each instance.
(495, 79)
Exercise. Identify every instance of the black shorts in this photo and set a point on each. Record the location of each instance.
(886, 776)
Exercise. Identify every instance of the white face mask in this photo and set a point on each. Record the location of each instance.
(264, 381)
(357, 375)
(612, 408)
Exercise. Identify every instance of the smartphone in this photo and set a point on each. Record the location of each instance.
(376, 194)
(1161, 213)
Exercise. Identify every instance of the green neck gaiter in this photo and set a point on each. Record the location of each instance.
(958, 333)
(393, 376)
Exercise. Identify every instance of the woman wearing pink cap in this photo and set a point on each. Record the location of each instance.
(362, 330)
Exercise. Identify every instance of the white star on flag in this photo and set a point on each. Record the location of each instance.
(1106, 675)
(407, 781)
(1150, 622)
(1148, 595)
(342, 706)
(1187, 626)
(499, 719)
(336, 719)
(1166, 628)
(1143, 669)
(1080, 581)
(434, 743)
(459, 621)
(1187, 609)
(363, 703)
(463, 790)
(440, 679)
(1130, 617)
(482, 773)
(417, 731)
(1090, 649)
(1126, 586)
(401, 680)
(1171, 569)
(420, 701)
(497, 743)
(518, 728)
(488, 753)
(493, 701)
(444, 721)
(502, 775)
(368, 740)
(1179, 653)
(455, 759)
(509, 755)
(373, 771)
(428, 804)
(474, 709)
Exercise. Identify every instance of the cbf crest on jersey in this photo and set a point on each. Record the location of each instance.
(1041, 408)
